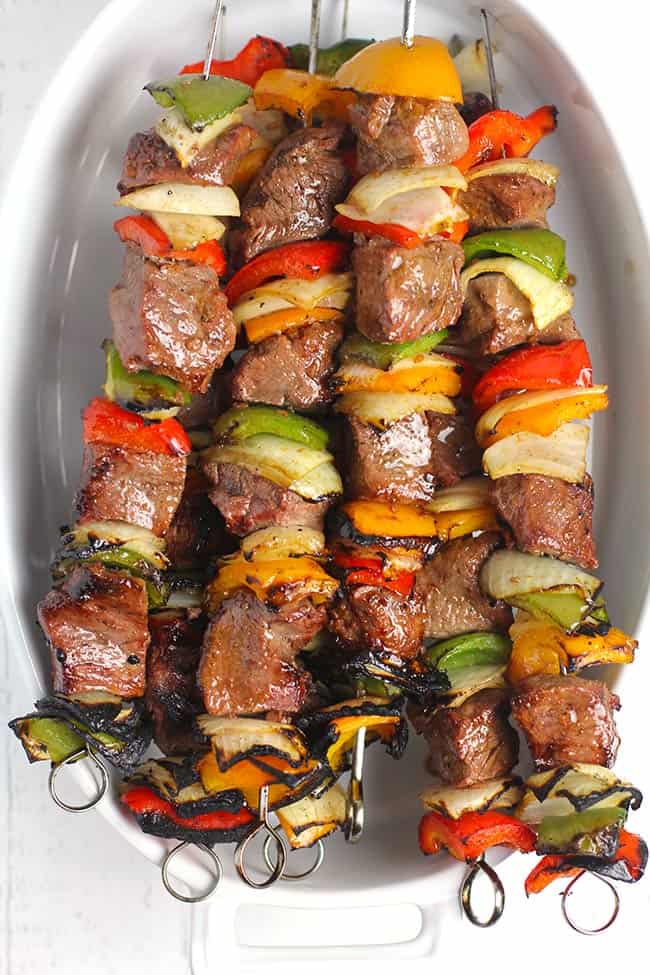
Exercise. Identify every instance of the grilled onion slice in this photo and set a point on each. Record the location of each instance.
(572, 788)
(495, 794)
(312, 818)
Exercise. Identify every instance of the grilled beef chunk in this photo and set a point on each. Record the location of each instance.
(291, 369)
(471, 743)
(249, 501)
(196, 534)
(150, 160)
(372, 618)
(172, 318)
(249, 661)
(402, 294)
(547, 516)
(172, 695)
(455, 453)
(95, 624)
(293, 197)
(566, 720)
(497, 316)
(394, 132)
(449, 586)
(141, 488)
(506, 200)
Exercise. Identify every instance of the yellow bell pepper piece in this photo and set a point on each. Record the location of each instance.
(425, 70)
(262, 326)
(268, 579)
(301, 95)
(248, 169)
(546, 418)
(419, 379)
(377, 726)
(542, 648)
(386, 520)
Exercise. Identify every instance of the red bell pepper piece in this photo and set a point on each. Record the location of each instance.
(630, 860)
(348, 560)
(473, 833)
(107, 423)
(628, 865)
(304, 260)
(458, 233)
(501, 133)
(402, 583)
(143, 231)
(142, 800)
(260, 54)
(209, 253)
(548, 869)
(539, 367)
(391, 231)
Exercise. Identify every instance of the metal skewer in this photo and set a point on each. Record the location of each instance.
(355, 816)
(83, 754)
(215, 26)
(572, 922)
(344, 19)
(314, 35)
(196, 898)
(264, 825)
(320, 856)
(408, 28)
(489, 52)
(478, 866)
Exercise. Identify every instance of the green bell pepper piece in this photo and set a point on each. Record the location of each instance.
(373, 687)
(592, 832)
(542, 249)
(239, 423)
(139, 388)
(119, 557)
(469, 650)
(331, 58)
(382, 355)
(200, 100)
(48, 738)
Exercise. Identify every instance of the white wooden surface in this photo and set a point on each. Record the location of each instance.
(73, 897)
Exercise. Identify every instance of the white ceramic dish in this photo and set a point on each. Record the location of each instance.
(63, 257)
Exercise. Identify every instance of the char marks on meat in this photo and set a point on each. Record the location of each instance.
(548, 516)
(196, 534)
(141, 488)
(291, 369)
(95, 624)
(404, 293)
(567, 720)
(373, 618)
(172, 318)
(249, 654)
(506, 200)
(172, 695)
(449, 586)
(395, 132)
(294, 195)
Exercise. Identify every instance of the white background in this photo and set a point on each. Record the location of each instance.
(73, 896)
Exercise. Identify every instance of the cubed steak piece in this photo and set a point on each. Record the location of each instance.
(294, 195)
(291, 369)
(249, 664)
(149, 160)
(249, 501)
(471, 743)
(172, 694)
(141, 488)
(394, 132)
(172, 318)
(506, 200)
(455, 453)
(548, 516)
(404, 293)
(449, 586)
(567, 720)
(372, 618)
(95, 624)
(497, 316)
(196, 534)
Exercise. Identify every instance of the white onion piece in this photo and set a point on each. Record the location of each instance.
(494, 794)
(186, 143)
(562, 454)
(328, 291)
(136, 539)
(424, 211)
(384, 408)
(510, 573)
(269, 123)
(279, 542)
(544, 172)
(233, 738)
(311, 819)
(220, 201)
(472, 67)
(374, 189)
(585, 783)
(466, 681)
(548, 298)
(471, 492)
(489, 420)
(187, 230)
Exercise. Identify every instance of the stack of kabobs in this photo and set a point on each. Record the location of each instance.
(284, 530)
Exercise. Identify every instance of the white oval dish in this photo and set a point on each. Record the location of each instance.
(62, 257)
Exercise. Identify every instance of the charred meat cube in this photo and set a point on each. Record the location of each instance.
(172, 318)
(95, 624)
(394, 132)
(404, 293)
(455, 453)
(373, 618)
(172, 694)
(497, 316)
(471, 743)
(149, 160)
(291, 369)
(506, 200)
(141, 488)
(249, 501)
(548, 516)
(567, 720)
(249, 664)
(449, 586)
(293, 197)
(196, 534)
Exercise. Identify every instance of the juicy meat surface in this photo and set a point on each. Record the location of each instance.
(149, 160)
(172, 318)
(548, 516)
(291, 369)
(497, 316)
(249, 664)
(196, 534)
(471, 743)
(402, 294)
(141, 488)
(449, 586)
(95, 624)
(293, 196)
(172, 695)
(372, 618)
(394, 132)
(506, 200)
(249, 501)
(455, 453)
(566, 720)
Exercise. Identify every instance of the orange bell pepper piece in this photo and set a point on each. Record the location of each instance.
(546, 418)
(262, 326)
(498, 134)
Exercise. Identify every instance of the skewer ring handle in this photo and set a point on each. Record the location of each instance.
(320, 856)
(272, 835)
(466, 894)
(216, 879)
(573, 923)
(79, 756)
